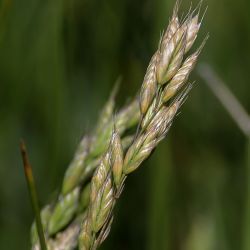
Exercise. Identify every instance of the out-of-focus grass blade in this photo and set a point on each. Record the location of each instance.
(246, 222)
(158, 200)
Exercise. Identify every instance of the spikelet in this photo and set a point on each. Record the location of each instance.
(63, 211)
(173, 26)
(102, 205)
(149, 85)
(100, 176)
(101, 198)
(182, 75)
(85, 236)
(116, 157)
(192, 31)
(144, 144)
(76, 167)
(171, 55)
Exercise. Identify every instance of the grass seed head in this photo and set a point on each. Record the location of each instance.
(163, 91)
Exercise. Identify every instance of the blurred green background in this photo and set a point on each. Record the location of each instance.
(58, 63)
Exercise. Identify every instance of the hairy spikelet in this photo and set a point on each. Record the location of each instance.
(149, 85)
(181, 76)
(173, 26)
(101, 201)
(171, 55)
(103, 205)
(192, 31)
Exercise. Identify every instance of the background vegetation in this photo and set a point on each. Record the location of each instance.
(58, 62)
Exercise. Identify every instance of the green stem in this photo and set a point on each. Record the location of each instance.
(33, 194)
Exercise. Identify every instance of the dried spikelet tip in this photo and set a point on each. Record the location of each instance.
(149, 85)
(173, 26)
(171, 55)
(193, 28)
(176, 42)
(182, 75)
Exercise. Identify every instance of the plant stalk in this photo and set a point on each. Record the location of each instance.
(33, 194)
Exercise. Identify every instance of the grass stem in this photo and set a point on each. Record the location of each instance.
(226, 97)
(33, 194)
